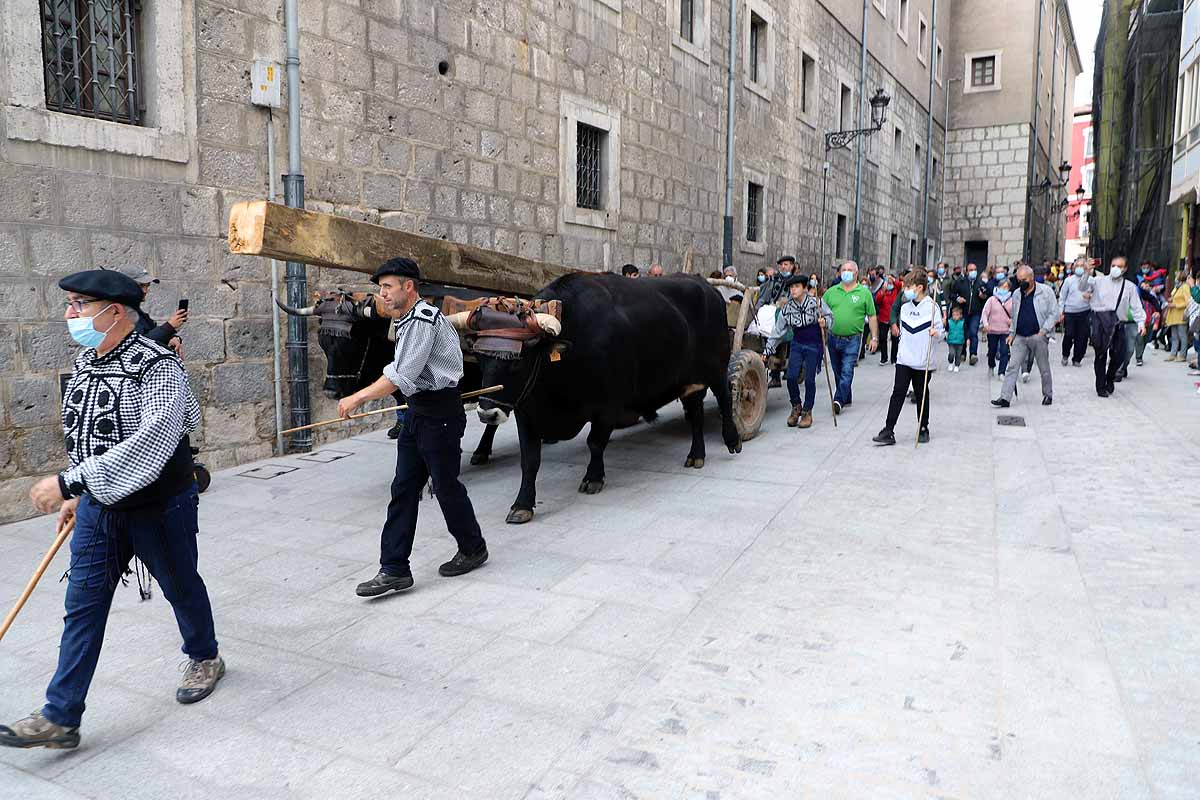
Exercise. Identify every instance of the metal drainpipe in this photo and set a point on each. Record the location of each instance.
(1050, 146)
(1065, 99)
(275, 354)
(297, 279)
(727, 248)
(858, 168)
(1027, 237)
(933, 65)
(945, 169)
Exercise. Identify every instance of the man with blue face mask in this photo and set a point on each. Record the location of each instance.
(130, 487)
(853, 308)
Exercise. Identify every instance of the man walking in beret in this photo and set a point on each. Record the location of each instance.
(127, 412)
(427, 368)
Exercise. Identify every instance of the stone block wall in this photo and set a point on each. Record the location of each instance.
(471, 155)
(986, 190)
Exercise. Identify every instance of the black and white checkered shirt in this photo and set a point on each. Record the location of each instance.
(428, 355)
(124, 415)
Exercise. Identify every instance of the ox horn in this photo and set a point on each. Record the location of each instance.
(308, 311)
(549, 323)
(459, 320)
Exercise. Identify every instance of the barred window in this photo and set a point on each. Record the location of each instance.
(589, 149)
(91, 57)
(687, 20)
(753, 212)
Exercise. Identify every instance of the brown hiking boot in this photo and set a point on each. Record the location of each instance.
(37, 731)
(794, 416)
(199, 680)
(806, 419)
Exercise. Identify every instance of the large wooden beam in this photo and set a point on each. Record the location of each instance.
(259, 228)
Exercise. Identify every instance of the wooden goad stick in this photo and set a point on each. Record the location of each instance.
(323, 423)
(63, 533)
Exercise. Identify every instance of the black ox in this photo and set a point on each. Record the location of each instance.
(626, 349)
(353, 332)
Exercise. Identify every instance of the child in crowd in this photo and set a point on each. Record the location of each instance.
(956, 337)
(995, 323)
(921, 322)
(806, 313)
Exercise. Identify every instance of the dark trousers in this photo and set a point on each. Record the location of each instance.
(1076, 330)
(885, 336)
(102, 546)
(1111, 357)
(428, 447)
(905, 377)
(998, 351)
(972, 328)
(808, 358)
(843, 355)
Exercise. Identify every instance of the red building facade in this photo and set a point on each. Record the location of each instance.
(1079, 187)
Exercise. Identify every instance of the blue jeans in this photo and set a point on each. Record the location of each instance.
(101, 547)
(808, 357)
(428, 447)
(843, 355)
(972, 328)
(998, 351)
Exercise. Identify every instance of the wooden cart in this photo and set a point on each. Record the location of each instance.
(261, 228)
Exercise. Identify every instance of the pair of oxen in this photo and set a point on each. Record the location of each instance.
(622, 350)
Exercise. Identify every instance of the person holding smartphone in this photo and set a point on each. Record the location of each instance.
(167, 333)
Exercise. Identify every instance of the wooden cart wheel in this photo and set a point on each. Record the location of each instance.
(747, 379)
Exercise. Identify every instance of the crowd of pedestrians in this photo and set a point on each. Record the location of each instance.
(1014, 312)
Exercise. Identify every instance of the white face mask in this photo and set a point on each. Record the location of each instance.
(1115, 272)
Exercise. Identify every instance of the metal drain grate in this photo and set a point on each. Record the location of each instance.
(1015, 422)
(325, 456)
(267, 471)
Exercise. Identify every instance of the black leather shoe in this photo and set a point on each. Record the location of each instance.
(462, 564)
(1000, 402)
(923, 436)
(973, 360)
(382, 583)
(1047, 401)
(885, 436)
(1103, 392)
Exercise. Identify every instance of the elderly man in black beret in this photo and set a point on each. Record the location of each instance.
(427, 368)
(127, 412)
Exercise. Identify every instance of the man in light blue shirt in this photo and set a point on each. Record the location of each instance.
(1075, 300)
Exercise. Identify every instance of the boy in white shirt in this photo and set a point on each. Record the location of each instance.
(921, 324)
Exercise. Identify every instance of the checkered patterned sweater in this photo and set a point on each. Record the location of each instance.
(125, 419)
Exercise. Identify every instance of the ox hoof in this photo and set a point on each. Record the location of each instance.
(591, 487)
(734, 449)
(479, 458)
(519, 516)
(695, 463)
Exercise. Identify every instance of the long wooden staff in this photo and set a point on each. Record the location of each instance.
(924, 388)
(323, 423)
(828, 380)
(63, 533)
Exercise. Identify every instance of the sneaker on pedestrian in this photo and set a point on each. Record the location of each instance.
(883, 362)
(885, 436)
(1139, 362)
(200, 679)
(837, 407)
(991, 371)
(805, 420)
(1000, 402)
(1104, 391)
(37, 731)
(974, 360)
(1076, 363)
(1047, 400)
(461, 564)
(1064, 361)
(794, 417)
(383, 582)
(923, 436)
(1024, 377)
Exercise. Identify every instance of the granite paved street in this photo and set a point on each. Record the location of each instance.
(1008, 612)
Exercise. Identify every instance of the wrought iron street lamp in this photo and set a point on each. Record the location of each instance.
(839, 140)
